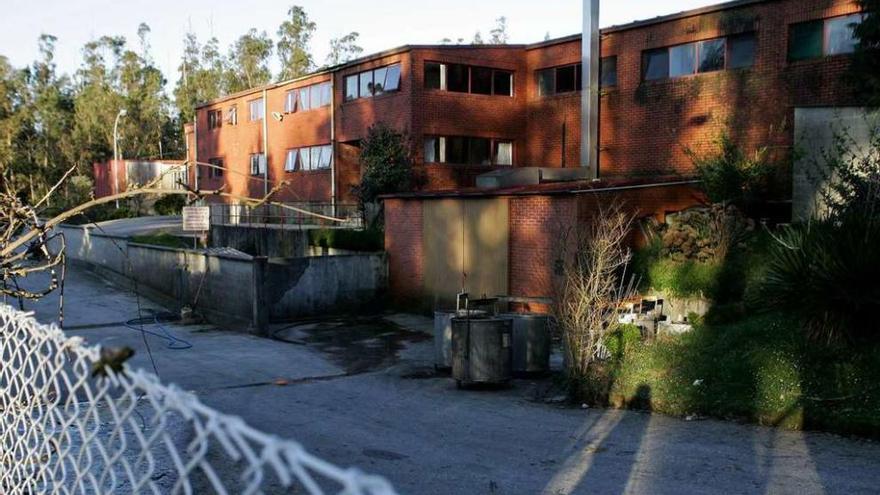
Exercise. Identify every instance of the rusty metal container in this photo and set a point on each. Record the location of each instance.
(481, 350)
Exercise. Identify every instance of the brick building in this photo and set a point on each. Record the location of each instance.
(669, 83)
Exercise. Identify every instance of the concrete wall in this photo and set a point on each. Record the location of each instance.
(230, 290)
(316, 285)
(815, 131)
(271, 242)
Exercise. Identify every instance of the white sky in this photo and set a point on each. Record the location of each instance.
(382, 24)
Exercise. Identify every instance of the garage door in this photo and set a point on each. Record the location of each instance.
(465, 242)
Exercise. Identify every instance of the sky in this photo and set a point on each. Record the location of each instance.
(382, 24)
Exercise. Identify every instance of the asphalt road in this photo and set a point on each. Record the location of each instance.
(361, 393)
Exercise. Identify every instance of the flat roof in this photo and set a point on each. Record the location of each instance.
(564, 39)
(552, 188)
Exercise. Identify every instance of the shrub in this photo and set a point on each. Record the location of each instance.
(353, 240)
(826, 274)
(386, 162)
(170, 204)
(730, 175)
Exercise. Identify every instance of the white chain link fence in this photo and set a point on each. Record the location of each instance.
(63, 430)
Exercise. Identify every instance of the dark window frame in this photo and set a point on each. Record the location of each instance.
(824, 35)
(698, 46)
(213, 172)
(389, 69)
(444, 86)
(467, 151)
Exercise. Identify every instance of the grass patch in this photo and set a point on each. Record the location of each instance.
(161, 239)
(759, 369)
(348, 239)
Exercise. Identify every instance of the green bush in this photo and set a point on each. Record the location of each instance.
(170, 204)
(826, 274)
(758, 369)
(730, 175)
(349, 239)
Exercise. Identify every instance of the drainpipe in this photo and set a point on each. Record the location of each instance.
(333, 142)
(265, 144)
(590, 89)
(195, 151)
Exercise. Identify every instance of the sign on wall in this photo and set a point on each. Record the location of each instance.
(196, 218)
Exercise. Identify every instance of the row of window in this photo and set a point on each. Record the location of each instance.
(372, 82)
(461, 78)
(732, 52)
(813, 39)
(468, 150)
(309, 158)
(307, 98)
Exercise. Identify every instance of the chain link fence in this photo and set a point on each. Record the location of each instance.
(70, 424)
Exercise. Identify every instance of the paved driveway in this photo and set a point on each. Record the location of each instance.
(360, 392)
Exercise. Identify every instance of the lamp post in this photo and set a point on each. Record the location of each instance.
(121, 113)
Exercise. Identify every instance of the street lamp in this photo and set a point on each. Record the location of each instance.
(121, 113)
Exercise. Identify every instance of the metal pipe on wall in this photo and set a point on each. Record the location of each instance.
(590, 89)
(265, 143)
(333, 154)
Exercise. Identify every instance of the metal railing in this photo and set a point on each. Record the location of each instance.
(68, 424)
(276, 216)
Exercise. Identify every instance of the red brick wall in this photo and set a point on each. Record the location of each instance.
(403, 243)
(645, 126)
(538, 224)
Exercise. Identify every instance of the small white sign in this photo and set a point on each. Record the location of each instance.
(196, 218)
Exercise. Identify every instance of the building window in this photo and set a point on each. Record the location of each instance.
(307, 98)
(232, 115)
(215, 119)
(258, 164)
(461, 78)
(608, 72)
(741, 51)
(698, 57)
(309, 158)
(256, 109)
(813, 39)
(215, 171)
(372, 82)
(465, 150)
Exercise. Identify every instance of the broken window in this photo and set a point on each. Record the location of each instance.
(741, 51)
(655, 64)
(502, 83)
(351, 87)
(608, 72)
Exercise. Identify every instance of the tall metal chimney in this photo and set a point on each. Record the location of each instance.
(590, 89)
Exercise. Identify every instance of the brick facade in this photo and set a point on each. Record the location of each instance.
(538, 224)
(645, 126)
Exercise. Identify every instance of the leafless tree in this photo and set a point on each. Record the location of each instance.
(591, 285)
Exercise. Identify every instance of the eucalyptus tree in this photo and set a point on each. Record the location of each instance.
(294, 36)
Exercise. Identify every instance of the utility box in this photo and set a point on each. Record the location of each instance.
(481, 350)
